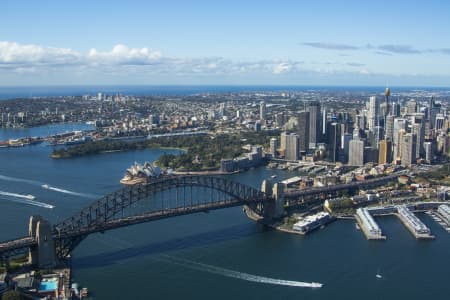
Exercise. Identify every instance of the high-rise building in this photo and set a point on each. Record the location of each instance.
(374, 112)
(280, 119)
(387, 94)
(292, 149)
(385, 152)
(389, 128)
(428, 151)
(333, 134)
(356, 153)
(439, 123)
(411, 107)
(324, 121)
(222, 108)
(273, 147)
(418, 129)
(396, 109)
(303, 130)
(262, 110)
(433, 110)
(314, 124)
(345, 144)
(283, 137)
(408, 149)
(399, 124)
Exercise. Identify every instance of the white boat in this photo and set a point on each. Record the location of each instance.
(316, 285)
(273, 176)
(378, 276)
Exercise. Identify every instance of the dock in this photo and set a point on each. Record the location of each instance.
(413, 223)
(442, 216)
(368, 225)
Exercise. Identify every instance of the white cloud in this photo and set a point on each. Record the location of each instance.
(121, 54)
(281, 68)
(36, 63)
(14, 53)
(123, 59)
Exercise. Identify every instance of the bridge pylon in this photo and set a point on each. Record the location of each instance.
(43, 254)
(273, 210)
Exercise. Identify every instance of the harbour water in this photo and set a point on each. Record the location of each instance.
(219, 255)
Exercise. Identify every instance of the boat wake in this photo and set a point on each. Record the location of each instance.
(46, 186)
(29, 197)
(239, 275)
(8, 178)
(24, 199)
(52, 188)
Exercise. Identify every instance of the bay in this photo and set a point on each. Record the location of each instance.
(195, 256)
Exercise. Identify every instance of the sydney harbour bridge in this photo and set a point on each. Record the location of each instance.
(160, 198)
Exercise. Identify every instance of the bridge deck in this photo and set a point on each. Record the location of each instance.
(150, 216)
(13, 245)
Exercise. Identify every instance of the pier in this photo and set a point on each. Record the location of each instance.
(368, 225)
(413, 223)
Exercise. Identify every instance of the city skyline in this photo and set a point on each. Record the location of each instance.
(288, 43)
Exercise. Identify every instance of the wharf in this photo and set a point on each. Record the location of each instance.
(413, 224)
(371, 234)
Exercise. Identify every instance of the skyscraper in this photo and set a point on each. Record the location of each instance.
(389, 128)
(418, 129)
(303, 130)
(314, 124)
(283, 138)
(345, 144)
(356, 155)
(411, 107)
(333, 134)
(408, 149)
(387, 94)
(396, 109)
(428, 151)
(374, 111)
(292, 149)
(280, 119)
(385, 152)
(273, 147)
(399, 124)
(262, 110)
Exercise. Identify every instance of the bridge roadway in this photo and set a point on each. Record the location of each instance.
(339, 187)
(19, 244)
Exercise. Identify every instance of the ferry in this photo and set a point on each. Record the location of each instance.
(138, 174)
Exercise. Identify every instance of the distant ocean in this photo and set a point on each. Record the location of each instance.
(140, 90)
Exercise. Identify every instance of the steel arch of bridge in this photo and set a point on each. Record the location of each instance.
(105, 214)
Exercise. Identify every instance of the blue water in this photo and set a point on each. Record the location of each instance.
(42, 131)
(43, 91)
(197, 256)
(48, 285)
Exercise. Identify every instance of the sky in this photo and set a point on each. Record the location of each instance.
(233, 42)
